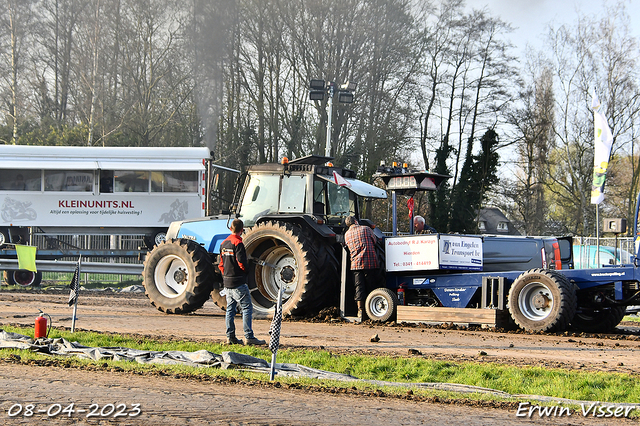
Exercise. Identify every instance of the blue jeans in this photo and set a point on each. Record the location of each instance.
(242, 296)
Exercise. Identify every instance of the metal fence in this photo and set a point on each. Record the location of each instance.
(611, 251)
(625, 243)
(91, 242)
(584, 247)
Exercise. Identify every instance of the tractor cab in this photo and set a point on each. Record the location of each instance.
(306, 186)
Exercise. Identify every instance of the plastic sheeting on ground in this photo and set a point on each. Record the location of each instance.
(201, 358)
(204, 358)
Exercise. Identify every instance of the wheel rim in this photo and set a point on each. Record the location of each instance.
(2, 239)
(285, 274)
(379, 306)
(171, 276)
(535, 301)
(24, 278)
(160, 237)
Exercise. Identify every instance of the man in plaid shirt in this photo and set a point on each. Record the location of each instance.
(364, 260)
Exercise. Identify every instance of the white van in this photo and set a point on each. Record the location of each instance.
(65, 190)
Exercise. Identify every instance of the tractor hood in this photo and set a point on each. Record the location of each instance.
(358, 187)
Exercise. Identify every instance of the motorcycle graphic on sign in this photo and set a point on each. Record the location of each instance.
(178, 211)
(13, 210)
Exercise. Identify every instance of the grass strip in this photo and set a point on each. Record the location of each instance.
(560, 383)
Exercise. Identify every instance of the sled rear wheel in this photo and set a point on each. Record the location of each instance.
(542, 300)
(602, 320)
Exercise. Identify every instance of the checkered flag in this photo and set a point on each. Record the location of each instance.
(274, 330)
(75, 286)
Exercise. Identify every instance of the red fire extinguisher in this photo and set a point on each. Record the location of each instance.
(401, 299)
(41, 326)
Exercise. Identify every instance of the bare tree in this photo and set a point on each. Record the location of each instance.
(16, 17)
(151, 80)
(592, 55)
(60, 19)
(534, 123)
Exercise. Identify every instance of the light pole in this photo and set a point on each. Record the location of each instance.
(317, 91)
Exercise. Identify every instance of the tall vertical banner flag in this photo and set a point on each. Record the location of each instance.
(603, 142)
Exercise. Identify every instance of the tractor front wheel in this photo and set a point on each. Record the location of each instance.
(178, 276)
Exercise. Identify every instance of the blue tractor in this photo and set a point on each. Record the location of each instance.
(294, 222)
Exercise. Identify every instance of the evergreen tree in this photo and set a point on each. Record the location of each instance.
(478, 175)
(440, 200)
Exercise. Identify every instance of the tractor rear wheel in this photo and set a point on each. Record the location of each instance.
(598, 320)
(294, 258)
(542, 300)
(178, 276)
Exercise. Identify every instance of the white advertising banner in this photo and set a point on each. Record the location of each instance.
(460, 252)
(104, 210)
(412, 253)
(433, 251)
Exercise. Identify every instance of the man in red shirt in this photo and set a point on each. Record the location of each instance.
(233, 265)
(361, 242)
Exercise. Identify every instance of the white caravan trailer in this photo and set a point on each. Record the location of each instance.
(68, 190)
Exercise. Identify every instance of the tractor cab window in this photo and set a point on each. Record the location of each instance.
(334, 201)
(342, 202)
(319, 196)
(294, 193)
(260, 198)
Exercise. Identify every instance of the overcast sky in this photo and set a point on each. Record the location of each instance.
(531, 17)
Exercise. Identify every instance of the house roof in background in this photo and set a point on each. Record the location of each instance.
(492, 217)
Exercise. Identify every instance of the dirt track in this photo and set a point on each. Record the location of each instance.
(133, 314)
(171, 401)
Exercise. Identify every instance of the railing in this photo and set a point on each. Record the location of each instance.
(107, 259)
(611, 250)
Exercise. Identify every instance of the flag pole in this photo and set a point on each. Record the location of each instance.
(603, 141)
(598, 236)
(75, 304)
(277, 316)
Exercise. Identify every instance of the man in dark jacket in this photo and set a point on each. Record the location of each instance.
(420, 226)
(233, 265)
